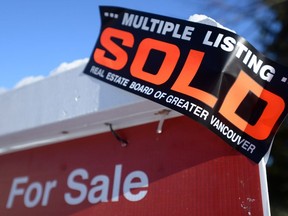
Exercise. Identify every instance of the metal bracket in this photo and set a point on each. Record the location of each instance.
(164, 113)
(122, 141)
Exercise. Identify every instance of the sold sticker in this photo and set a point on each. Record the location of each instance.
(209, 74)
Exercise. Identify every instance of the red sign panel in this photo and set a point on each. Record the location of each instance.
(186, 170)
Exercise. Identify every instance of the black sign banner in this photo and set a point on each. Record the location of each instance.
(209, 74)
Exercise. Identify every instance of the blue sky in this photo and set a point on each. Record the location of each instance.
(38, 36)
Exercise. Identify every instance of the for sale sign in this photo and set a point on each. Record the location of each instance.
(173, 173)
(209, 74)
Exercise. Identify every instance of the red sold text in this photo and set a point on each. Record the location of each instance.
(242, 86)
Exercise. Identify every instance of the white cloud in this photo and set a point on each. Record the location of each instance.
(63, 67)
(2, 90)
(28, 80)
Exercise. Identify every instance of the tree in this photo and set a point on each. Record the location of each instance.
(276, 31)
(275, 41)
